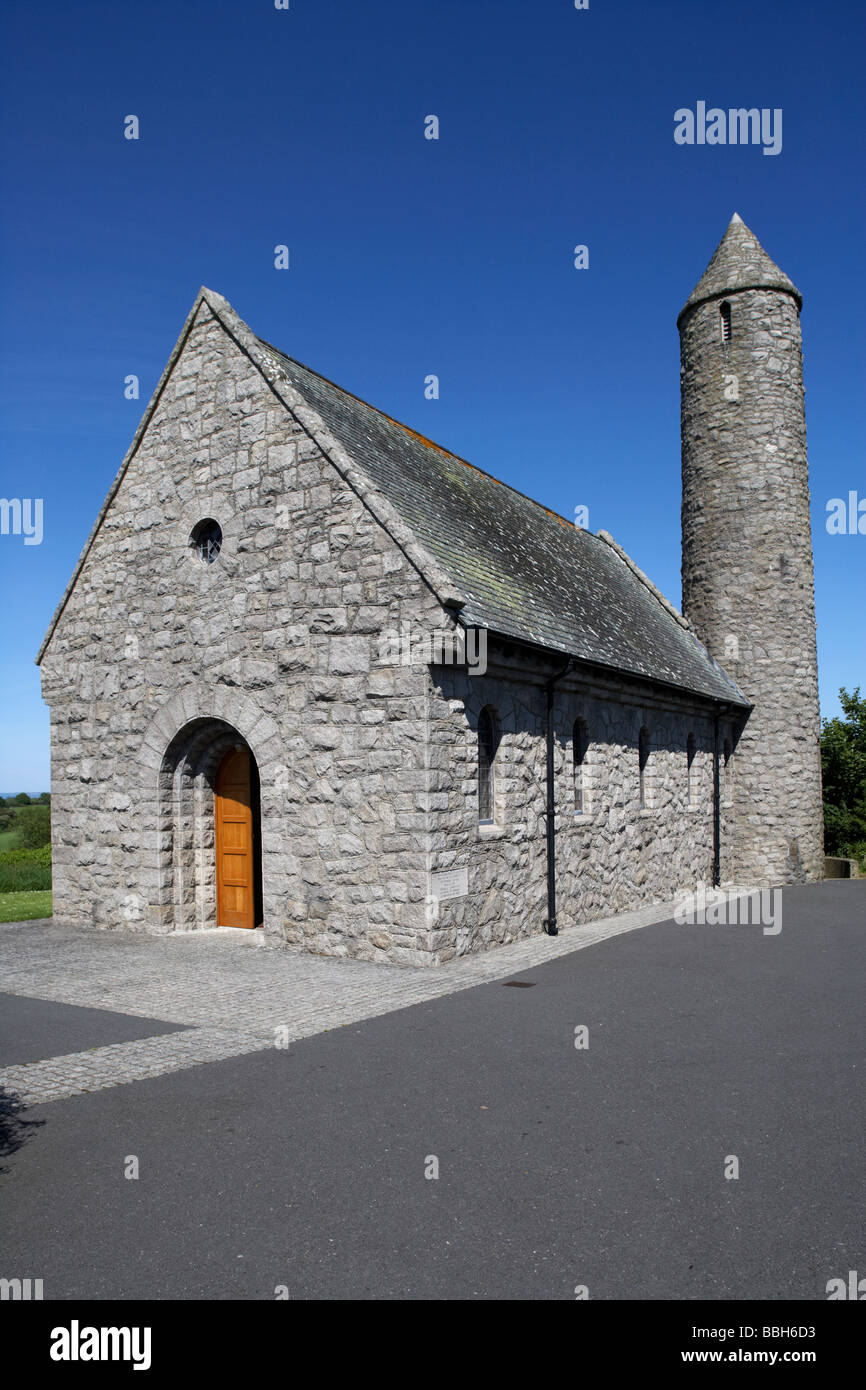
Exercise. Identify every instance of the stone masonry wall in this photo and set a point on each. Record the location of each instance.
(610, 858)
(747, 567)
(278, 638)
(293, 638)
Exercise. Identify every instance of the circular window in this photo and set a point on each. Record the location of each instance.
(206, 540)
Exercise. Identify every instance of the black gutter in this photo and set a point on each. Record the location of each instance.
(550, 921)
(724, 703)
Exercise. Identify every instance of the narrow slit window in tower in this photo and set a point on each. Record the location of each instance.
(725, 316)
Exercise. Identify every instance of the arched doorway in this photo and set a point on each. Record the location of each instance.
(210, 818)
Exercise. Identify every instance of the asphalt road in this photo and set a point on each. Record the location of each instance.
(34, 1029)
(558, 1166)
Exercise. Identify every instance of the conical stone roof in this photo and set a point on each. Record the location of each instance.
(739, 263)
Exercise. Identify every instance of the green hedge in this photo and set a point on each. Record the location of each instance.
(25, 870)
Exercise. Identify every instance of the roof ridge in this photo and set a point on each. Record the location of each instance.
(424, 439)
(674, 612)
(263, 356)
(656, 593)
(522, 571)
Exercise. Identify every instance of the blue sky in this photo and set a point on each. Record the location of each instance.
(305, 127)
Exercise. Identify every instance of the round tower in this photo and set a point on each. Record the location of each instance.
(748, 583)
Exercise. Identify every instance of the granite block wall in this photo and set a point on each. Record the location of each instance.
(748, 584)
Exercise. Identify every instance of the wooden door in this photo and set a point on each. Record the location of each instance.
(234, 842)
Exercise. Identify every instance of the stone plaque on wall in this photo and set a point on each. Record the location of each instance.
(450, 883)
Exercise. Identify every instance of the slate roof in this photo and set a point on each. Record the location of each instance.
(525, 572)
(517, 568)
(739, 262)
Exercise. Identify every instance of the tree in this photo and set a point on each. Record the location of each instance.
(34, 826)
(843, 765)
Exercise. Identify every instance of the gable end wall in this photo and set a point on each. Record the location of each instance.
(280, 637)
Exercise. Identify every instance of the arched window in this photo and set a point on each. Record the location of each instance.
(579, 750)
(488, 740)
(643, 750)
(727, 772)
(691, 789)
(725, 321)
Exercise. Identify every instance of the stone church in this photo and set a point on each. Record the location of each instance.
(315, 674)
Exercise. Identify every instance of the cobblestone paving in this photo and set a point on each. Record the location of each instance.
(231, 991)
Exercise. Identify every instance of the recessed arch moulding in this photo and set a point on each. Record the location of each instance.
(181, 752)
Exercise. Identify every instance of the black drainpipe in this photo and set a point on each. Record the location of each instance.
(550, 921)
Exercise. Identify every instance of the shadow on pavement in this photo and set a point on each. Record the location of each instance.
(14, 1129)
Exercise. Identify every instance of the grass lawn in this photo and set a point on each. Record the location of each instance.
(23, 907)
(8, 840)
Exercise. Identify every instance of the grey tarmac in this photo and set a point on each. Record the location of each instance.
(559, 1166)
